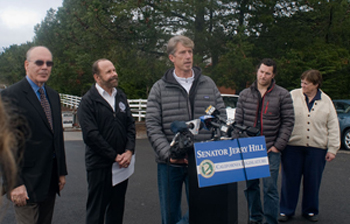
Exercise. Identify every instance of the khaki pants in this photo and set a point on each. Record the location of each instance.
(36, 213)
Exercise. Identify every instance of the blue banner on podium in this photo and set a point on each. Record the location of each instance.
(223, 162)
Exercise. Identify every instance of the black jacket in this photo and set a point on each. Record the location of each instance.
(106, 133)
(37, 161)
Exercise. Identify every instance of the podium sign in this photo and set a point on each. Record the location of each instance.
(223, 162)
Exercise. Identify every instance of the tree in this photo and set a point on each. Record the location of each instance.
(236, 69)
(308, 35)
(12, 63)
(230, 37)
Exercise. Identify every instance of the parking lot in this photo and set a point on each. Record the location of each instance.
(142, 206)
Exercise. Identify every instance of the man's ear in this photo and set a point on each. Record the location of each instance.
(171, 57)
(26, 63)
(96, 77)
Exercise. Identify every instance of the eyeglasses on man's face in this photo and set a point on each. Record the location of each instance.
(41, 62)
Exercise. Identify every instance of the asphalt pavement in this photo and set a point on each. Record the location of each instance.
(142, 205)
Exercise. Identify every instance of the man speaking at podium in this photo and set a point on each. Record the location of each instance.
(269, 108)
(182, 94)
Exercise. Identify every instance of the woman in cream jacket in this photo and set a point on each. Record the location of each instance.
(315, 139)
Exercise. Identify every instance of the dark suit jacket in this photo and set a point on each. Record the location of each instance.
(37, 161)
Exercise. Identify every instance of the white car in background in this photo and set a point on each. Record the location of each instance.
(230, 101)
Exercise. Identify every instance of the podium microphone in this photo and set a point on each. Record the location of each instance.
(251, 131)
(211, 110)
(194, 126)
(207, 121)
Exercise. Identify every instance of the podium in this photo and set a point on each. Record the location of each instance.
(214, 204)
(214, 170)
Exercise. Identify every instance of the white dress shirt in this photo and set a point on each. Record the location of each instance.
(105, 95)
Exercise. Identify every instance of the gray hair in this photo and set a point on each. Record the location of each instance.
(172, 43)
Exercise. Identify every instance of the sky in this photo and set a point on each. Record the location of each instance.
(18, 18)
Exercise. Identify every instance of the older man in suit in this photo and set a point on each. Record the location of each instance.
(42, 166)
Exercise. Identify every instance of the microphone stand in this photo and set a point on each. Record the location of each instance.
(240, 134)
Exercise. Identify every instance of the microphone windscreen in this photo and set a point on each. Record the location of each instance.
(178, 126)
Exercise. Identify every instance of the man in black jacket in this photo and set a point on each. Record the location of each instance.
(109, 134)
(43, 168)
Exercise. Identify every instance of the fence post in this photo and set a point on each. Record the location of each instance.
(140, 108)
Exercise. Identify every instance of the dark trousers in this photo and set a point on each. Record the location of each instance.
(298, 162)
(104, 201)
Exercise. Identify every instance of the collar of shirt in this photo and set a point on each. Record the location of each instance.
(109, 98)
(186, 83)
(36, 88)
(317, 97)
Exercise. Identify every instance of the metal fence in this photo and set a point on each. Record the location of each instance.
(137, 106)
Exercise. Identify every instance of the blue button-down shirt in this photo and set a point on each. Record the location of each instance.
(317, 97)
(36, 88)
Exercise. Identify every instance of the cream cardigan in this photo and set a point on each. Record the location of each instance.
(318, 128)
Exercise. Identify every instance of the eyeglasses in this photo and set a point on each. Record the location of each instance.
(41, 62)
